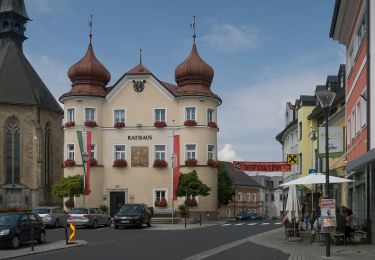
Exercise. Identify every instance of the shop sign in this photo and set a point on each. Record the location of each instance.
(328, 212)
(335, 141)
(139, 137)
(261, 166)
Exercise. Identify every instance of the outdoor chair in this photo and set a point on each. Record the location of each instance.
(361, 233)
(339, 234)
(290, 230)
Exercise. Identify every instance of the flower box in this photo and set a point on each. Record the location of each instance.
(70, 124)
(69, 163)
(119, 125)
(191, 162)
(212, 163)
(91, 124)
(161, 203)
(93, 162)
(190, 123)
(160, 124)
(213, 125)
(160, 164)
(120, 163)
(191, 202)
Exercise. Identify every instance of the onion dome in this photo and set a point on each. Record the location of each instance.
(89, 76)
(194, 75)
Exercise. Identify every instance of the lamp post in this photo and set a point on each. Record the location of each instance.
(326, 98)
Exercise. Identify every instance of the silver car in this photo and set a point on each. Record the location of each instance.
(52, 216)
(89, 217)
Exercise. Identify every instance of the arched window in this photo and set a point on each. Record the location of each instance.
(5, 25)
(17, 26)
(47, 153)
(12, 151)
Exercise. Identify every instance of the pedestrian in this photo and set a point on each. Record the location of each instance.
(307, 219)
(303, 211)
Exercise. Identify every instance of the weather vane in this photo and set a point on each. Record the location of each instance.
(192, 25)
(90, 25)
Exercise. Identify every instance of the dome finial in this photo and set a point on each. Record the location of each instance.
(90, 25)
(140, 56)
(192, 25)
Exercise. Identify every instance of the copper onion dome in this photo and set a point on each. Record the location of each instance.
(89, 76)
(194, 71)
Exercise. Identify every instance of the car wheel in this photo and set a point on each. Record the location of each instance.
(15, 243)
(57, 223)
(108, 223)
(42, 238)
(94, 224)
(149, 223)
(116, 226)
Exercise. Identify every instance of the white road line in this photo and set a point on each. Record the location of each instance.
(265, 224)
(278, 223)
(252, 224)
(240, 224)
(226, 225)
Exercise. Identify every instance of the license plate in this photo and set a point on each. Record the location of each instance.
(124, 221)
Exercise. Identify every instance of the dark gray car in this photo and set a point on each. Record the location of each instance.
(52, 216)
(136, 214)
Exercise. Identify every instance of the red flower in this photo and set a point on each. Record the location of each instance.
(69, 124)
(191, 162)
(69, 163)
(160, 164)
(190, 123)
(162, 203)
(93, 162)
(91, 124)
(160, 124)
(212, 163)
(213, 125)
(119, 125)
(120, 163)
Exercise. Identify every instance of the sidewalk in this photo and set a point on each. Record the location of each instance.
(305, 250)
(181, 226)
(26, 250)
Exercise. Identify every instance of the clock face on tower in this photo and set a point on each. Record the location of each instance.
(139, 85)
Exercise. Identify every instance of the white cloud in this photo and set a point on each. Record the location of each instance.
(44, 6)
(228, 154)
(228, 37)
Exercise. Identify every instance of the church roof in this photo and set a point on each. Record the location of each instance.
(16, 6)
(19, 82)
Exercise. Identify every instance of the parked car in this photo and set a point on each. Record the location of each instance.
(256, 216)
(52, 216)
(133, 215)
(89, 217)
(243, 215)
(16, 227)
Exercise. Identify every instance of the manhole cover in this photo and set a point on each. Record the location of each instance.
(348, 251)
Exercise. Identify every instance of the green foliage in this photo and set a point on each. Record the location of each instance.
(225, 185)
(191, 185)
(68, 187)
(184, 211)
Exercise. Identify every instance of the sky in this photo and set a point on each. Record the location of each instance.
(264, 54)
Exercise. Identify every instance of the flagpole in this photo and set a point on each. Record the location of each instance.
(84, 172)
(173, 158)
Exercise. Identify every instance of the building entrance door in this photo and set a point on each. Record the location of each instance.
(116, 200)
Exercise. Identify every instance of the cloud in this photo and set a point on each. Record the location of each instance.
(228, 37)
(228, 154)
(44, 6)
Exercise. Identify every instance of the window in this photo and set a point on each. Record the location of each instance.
(89, 114)
(300, 130)
(70, 115)
(70, 151)
(248, 197)
(281, 197)
(266, 197)
(93, 151)
(120, 153)
(272, 197)
(160, 194)
(361, 31)
(228, 212)
(160, 152)
(190, 151)
(190, 113)
(342, 80)
(348, 132)
(350, 58)
(254, 197)
(358, 118)
(210, 152)
(160, 115)
(352, 126)
(363, 109)
(12, 151)
(240, 199)
(5, 25)
(119, 116)
(210, 115)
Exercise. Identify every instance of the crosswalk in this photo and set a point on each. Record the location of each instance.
(250, 224)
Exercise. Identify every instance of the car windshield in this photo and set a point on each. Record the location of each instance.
(9, 219)
(79, 211)
(130, 209)
(42, 210)
(242, 213)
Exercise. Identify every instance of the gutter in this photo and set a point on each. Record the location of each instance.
(368, 202)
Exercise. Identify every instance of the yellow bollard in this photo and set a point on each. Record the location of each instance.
(72, 232)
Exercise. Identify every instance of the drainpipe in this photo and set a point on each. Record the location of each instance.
(368, 202)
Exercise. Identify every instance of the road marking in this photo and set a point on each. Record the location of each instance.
(252, 224)
(278, 223)
(226, 225)
(240, 224)
(265, 224)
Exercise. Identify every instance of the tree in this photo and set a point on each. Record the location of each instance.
(68, 187)
(225, 185)
(191, 185)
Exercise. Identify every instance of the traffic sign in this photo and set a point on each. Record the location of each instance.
(72, 232)
(293, 158)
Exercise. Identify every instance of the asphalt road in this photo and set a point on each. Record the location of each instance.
(214, 242)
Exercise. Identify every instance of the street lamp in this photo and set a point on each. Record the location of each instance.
(326, 98)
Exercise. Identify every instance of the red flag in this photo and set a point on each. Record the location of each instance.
(176, 169)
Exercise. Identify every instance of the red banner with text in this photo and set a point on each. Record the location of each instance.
(261, 166)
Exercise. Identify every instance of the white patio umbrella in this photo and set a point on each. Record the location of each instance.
(315, 178)
(292, 203)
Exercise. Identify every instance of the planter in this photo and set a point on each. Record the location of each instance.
(190, 123)
(191, 162)
(191, 202)
(213, 125)
(160, 164)
(120, 164)
(161, 203)
(69, 203)
(160, 124)
(212, 163)
(70, 124)
(91, 124)
(93, 162)
(69, 163)
(119, 125)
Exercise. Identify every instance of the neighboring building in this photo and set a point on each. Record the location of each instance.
(248, 195)
(132, 121)
(31, 138)
(351, 27)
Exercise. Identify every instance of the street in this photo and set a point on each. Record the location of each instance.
(213, 242)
